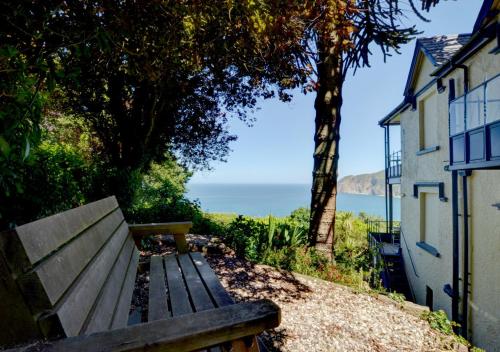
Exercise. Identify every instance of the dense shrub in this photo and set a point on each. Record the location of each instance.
(55, 178)
(212, 224)
(159, 195)
(62, 172)
(282, 243)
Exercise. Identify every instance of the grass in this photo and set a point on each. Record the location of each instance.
(438, 320)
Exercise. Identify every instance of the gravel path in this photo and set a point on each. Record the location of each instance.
(318, 315)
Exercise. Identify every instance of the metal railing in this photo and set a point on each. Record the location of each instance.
(409, 254)
(394, 162)
(383, 231)
(478, 107)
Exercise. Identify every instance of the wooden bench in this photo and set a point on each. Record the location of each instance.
(71, 277)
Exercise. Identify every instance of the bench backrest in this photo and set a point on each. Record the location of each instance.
(75, 272)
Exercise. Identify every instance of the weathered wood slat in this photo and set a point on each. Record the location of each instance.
(199, 295)
(158, 305)
(60, 270)
(120, 317)
(108, 299)
(181, 334)
(220, 296)
(217, 291)
(77, 304)
(30, 243)
(178, 294)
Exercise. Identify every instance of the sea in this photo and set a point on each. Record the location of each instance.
(277, 199)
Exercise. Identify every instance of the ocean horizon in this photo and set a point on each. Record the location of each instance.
(261, 199)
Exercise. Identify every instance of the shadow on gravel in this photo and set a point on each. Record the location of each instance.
(274, 339)
(247, 281)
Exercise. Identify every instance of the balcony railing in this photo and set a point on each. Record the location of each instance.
(394, 162)
(474, 124)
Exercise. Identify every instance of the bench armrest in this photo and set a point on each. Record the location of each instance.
(178, 229)
(183, 333)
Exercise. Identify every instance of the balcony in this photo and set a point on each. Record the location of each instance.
(474, 124)
(394, 168)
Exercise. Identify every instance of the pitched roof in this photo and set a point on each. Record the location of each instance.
(442, 47)
(438, 49)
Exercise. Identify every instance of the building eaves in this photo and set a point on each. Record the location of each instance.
(398, 109)
(438, 49)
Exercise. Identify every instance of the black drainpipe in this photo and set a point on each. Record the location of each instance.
(386, 146)
(465, 293)
(455, 292)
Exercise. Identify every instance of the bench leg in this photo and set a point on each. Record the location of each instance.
(180, 243)
(245, 345)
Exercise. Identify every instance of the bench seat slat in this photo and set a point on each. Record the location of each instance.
(202, 268)
(158, 305)
(199, 295)
(217, 291)
(178, 294)
(105, 306)
(120, 317)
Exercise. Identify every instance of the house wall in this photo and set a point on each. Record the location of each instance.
(430, 271)
(484, 299)
(484, 190)
(424, 69)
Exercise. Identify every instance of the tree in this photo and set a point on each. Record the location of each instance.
(343, 35)
(158, 77)
(151, 78)
(334, 37)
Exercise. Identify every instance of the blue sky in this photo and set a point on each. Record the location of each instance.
(279, 146)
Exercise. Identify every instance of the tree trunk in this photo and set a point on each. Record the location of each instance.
(326, 153)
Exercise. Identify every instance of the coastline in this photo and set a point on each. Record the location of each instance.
(277, 199)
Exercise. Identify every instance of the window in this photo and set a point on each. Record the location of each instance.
(428, 121)
(429, 219)
(457, 113)
(493, 100)
(475, 108)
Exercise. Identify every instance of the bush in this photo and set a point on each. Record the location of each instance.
(351, 245)
(55, 178)
(282, 243)
(158, 195)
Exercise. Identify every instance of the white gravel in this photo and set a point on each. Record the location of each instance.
(318, 315)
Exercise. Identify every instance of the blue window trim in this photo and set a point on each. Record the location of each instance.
(428, 150)
(439, 185)
(429, 249)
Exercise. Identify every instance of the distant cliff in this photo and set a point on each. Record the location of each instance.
(371, 184)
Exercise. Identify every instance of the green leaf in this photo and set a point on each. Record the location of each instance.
(4, 146)
(27, 149)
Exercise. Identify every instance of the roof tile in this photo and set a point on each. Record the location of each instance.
(442, 47)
